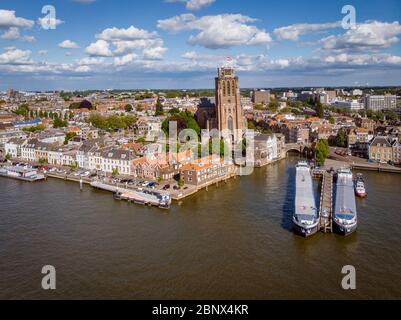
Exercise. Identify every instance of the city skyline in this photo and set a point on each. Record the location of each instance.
(179, 44)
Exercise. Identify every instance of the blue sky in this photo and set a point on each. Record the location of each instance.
(102, 44)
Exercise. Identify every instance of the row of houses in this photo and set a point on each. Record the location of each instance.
(97, 155)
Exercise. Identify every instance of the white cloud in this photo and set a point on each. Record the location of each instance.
(368, 36)
(100, 48)
(131, 33)
(293, 32)
(29, 38)
(156, 53)
(43, 52)
(124, 60)
(14, 56)
(90, 61)
(68, 44)
(194, 5)
(8, 19)
(131, 40)
(220, 31)
(83, 69)
(11, 34)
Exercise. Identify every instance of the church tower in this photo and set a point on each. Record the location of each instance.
(228, 101)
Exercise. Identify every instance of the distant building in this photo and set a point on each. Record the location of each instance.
(357, 92)
(261, 96)
(352, 105)
(379, 103)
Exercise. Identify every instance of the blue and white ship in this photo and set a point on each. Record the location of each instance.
(345, 214)
(306, 215)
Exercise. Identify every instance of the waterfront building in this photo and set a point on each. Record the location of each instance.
(266, 149)
(396, 145)
(206, 170)
(13, 147)
(379, 103)
(381, 150)
(116, 160)
(88, 147)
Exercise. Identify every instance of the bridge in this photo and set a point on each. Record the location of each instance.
(302, 148)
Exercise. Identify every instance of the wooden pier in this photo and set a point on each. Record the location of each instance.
(326, 203)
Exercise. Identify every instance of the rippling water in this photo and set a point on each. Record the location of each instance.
(233, 242)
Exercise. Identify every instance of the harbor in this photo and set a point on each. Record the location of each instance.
(241, 233)
(337, 205)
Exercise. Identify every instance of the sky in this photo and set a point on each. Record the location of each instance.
(179, 44)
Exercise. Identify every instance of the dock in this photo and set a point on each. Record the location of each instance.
(148, 198)
(326, 203)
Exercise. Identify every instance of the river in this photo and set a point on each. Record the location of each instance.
(231, 242)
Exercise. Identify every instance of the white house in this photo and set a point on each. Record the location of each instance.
(13, 147)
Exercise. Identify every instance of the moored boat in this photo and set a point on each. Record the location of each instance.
(360, 189)
(306, 216)
(345, 214)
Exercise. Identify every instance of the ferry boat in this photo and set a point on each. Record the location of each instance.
(360, 189)
(306, 216)
(21, 173)
(345, 214)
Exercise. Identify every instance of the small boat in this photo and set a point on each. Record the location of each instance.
(360, 189)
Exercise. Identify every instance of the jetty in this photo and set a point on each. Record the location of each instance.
(326, 203)
(150, 198)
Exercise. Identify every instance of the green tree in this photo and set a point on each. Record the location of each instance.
(391, 115)
(342, 138)
(39, 127)
(159, 108)
(69, 136)
(128, 108)
(23, 110)
(181, 183)
(185, 120)
(319, 110)
(322, 151)
(332, 120)
(58, 123)
(115, 173)
(174, 111)
(8, 157)
(273, 106)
